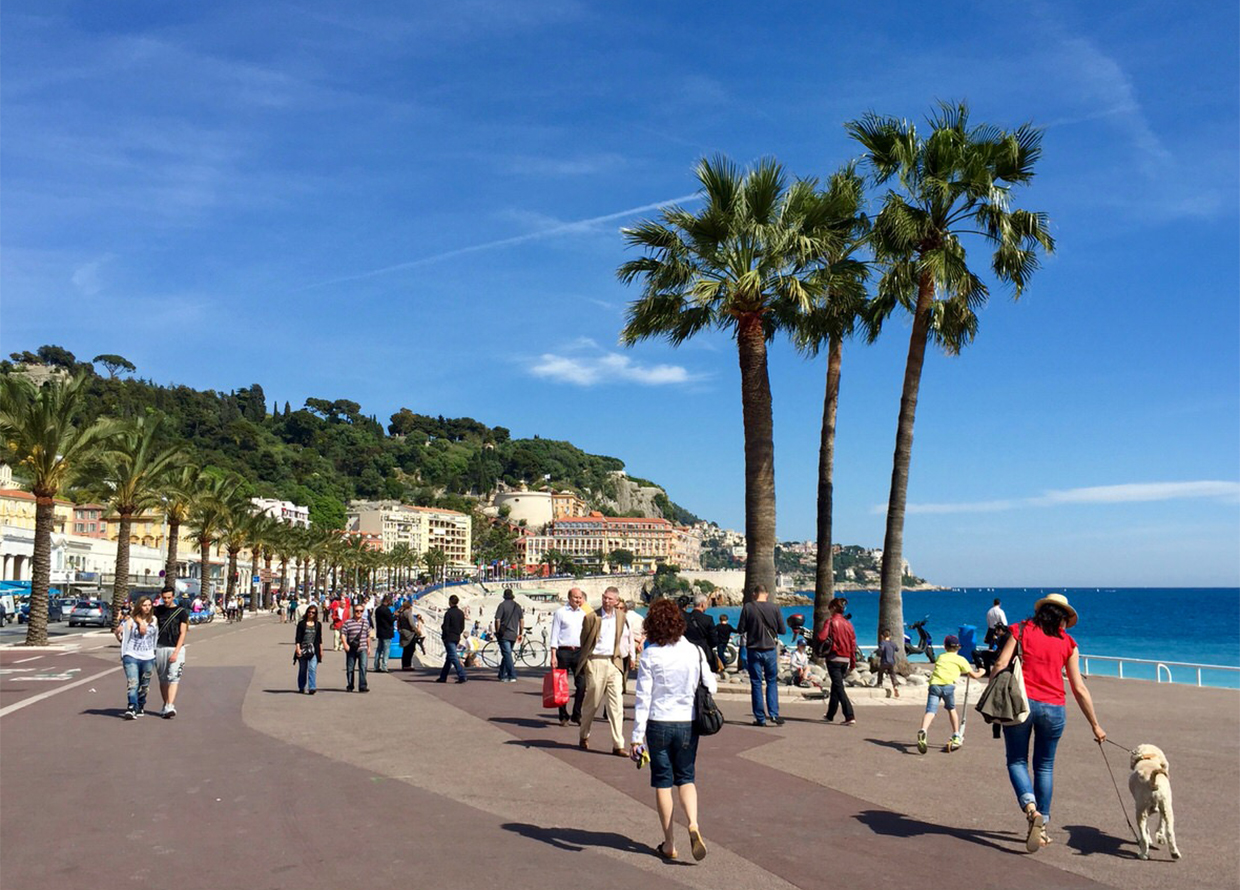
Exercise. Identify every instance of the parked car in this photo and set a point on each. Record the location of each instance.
(57, 609)
(91, 612)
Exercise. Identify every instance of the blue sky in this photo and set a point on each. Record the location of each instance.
(418, 205)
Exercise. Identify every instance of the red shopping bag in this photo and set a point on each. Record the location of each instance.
(555, 688)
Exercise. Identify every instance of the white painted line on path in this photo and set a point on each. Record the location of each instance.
(17, 706)
(31, 658)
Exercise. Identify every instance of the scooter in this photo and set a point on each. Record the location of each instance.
(924, 644)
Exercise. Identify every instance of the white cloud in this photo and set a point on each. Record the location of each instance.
(86, 277)
(605, 367)
(1127, 493)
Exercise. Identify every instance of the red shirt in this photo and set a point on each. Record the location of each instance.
(1044, 660)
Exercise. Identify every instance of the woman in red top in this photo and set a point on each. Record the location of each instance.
(841, 659)
(1046, 651)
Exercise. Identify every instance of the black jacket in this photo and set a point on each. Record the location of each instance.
(385, 622)
(453, 625)
(318, 636)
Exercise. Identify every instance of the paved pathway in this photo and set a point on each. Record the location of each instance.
(254, 785)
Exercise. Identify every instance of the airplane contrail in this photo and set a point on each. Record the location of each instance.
(503, 242)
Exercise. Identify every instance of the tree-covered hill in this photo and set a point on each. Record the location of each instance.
(327, 452)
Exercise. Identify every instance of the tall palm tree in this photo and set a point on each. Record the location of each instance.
(258, 539)
(843, 228)
(740, 264)
(131, 479)
(236, 525)
(207, 519)
(955, 182)
(179, 490)
(44, 439)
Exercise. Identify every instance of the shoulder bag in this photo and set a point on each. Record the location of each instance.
(707, 718)
(1005, 700)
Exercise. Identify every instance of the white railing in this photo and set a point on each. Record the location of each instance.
(1160, 667)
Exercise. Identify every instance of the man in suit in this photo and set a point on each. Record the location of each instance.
(606, 637)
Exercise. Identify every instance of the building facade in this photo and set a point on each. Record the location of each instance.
(420, 528)
(285, 511)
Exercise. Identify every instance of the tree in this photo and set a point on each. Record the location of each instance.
(435, 560)
(741, 264)
(207, 519)
(842, 231)
(179, 489)
(955, 182)
(114, 363)
(44, 439)
(621, 557)
(131, 478)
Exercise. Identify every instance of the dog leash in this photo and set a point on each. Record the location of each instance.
(1118, 796)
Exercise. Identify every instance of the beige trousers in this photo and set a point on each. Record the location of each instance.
(604, 683)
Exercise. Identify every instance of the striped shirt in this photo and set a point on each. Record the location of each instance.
(357, 629)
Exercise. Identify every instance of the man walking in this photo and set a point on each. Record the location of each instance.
(340, 614)
(385, 629)
(173, 623)
(565, 643)
(509, 628)
(762, 623)
(700, 629)
(995, 620)
(452, 628)
(356, 635)
(605, 636)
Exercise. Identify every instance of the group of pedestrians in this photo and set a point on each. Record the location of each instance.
(152, 642)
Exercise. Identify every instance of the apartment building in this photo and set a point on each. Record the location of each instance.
(686, 548)
(285, 511)
(89, 521)
(421, 528)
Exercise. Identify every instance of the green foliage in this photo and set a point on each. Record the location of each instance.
(114, 363)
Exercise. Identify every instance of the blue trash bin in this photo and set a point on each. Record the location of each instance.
(394, 648)
(968, 641)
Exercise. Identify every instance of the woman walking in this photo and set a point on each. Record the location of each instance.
(138, 635)
(1046, 651)
(667, 679)
(840, 648)
(407, 633)
(308, 649)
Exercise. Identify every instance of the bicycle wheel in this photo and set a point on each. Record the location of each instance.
(490, 654)
(533, 654)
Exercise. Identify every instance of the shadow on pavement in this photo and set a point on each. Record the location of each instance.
(105, 712)
(575, 840)
(1088, 840)
(903, 747)
(543, 743)
(526, 722)
(892, 824)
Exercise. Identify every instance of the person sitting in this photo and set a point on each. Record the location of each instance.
(799, 662)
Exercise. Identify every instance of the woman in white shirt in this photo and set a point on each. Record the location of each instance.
(667, 680)
(138, 635)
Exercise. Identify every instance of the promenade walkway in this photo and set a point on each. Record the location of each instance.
(253, 785)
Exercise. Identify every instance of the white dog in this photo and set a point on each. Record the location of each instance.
(1150, 784)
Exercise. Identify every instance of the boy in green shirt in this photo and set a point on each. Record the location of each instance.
(947, 671)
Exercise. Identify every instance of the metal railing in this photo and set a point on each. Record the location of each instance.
(1161, 668)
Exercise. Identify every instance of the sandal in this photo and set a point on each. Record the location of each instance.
(663, 854)
(1033, 841)
(699, 848)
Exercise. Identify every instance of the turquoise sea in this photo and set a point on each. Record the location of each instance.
(1166, 624)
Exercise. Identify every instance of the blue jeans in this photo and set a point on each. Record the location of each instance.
(1045, 724)
(352, 661)
(673, 753)
(382, 648)
(307, 670)
(507, 667)
(451, 661)
(137, 680)
(764, 666)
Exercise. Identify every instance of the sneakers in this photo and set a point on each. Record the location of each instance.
(130, 714)
(141, 712)
(956, 740)
(921, 741)
(168, 712)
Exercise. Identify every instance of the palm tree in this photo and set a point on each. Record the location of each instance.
(179, 490)
(257, 538)
(236, 525)
(741, 264)
(43, 439)
(955, 182)
(133, 474)
(207, 518)
(843, 228)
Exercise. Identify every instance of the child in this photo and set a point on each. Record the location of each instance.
(947, 671)
(886, 662)
(799, 662)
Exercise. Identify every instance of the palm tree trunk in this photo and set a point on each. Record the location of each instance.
(232, 573)
(204, 581)
(174, 540)
(759, 456)
(41, 568)
(120, 581)
(824, 575)
(891, 599)
(284, 575)
(267, 582)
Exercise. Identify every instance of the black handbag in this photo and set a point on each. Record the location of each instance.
(707, 718)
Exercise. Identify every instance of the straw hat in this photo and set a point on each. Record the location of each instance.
(1060, 600)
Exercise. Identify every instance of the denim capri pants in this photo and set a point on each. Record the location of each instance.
(673, 753)
(947, 693)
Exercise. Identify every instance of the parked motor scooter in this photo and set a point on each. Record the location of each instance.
(924, 644)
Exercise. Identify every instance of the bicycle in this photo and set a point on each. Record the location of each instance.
(531, 653)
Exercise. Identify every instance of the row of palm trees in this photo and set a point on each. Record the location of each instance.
(764, 256)
(130, 468)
